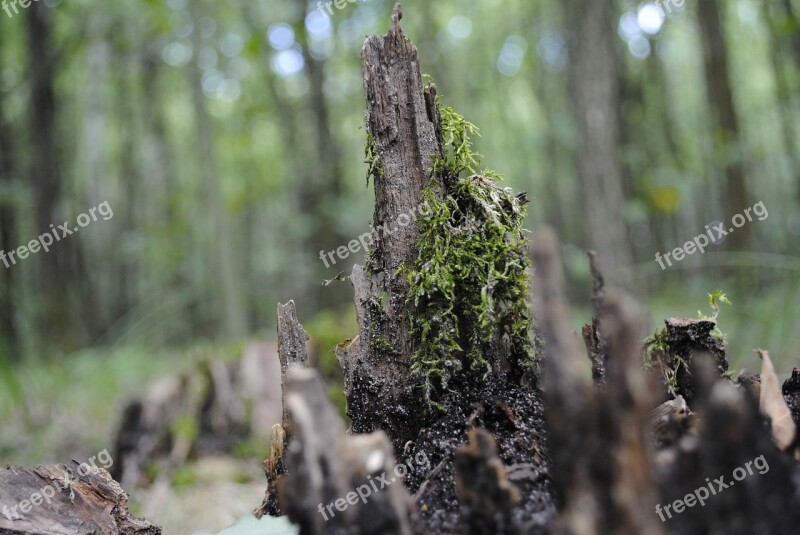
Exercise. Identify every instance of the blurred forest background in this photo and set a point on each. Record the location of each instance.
(228, 139)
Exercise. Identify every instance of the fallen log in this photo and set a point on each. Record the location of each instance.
(62, 499)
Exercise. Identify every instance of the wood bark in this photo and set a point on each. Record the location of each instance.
(597, 438)
(325, 465)
(292, 353)
(73, 499)
(402, 120)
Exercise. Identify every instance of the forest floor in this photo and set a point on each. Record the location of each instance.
(73, 405)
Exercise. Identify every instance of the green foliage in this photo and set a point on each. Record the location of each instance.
(185, 426)
(714, 300)
(326, 330)
(469, 283)
(184, 476)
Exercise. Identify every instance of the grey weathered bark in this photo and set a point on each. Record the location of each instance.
(595, 93)
(402, 120)
(598, 435)
(72, 500)
(292, 353)
(325, 465)
(727, 139)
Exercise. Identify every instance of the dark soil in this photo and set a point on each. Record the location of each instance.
(515, 416)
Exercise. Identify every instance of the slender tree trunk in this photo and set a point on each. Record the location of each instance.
(727, 138)
(783, 45)
(55, 266)
(595, 94)
(230, 293)
(94, 310)
(8, 331)
(794, 34)
(130, 177)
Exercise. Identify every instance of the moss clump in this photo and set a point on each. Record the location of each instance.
(469, 284)
(372, 159)
(659, 356)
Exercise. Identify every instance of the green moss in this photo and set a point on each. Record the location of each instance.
(372, 159)
(715, 299)
(469, 284)
(657, 356)
(381, 345)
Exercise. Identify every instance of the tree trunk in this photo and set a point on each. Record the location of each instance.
(729, 150)
(400, 119)
(595, 95)
(56, 266)
(9, 344)
(230, 296)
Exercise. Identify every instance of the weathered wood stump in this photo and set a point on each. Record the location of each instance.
(462, 388)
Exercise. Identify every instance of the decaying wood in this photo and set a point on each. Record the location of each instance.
(773, 405)
(486, 495)
(670, 420)
(596, 471)
(65, 500)
(601, 459)
(292, 353)
(201, 411)
(326, 467)
(401, 119)
(791, 393)
(687, 338)
(731, 434)
(592, 338)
